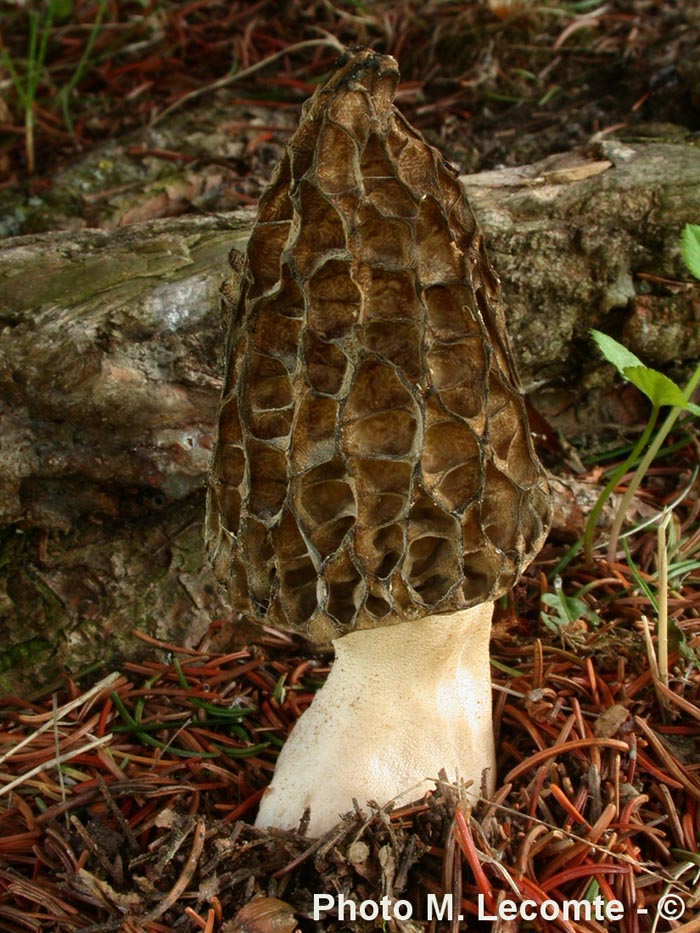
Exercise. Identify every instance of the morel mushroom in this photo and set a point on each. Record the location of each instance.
(374, 482)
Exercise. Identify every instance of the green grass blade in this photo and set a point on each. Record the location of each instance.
(67, 89)
(612, 483)
(640, 581)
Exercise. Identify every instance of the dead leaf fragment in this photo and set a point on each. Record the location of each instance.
(574, 173)
(608, 723)
(263, 915)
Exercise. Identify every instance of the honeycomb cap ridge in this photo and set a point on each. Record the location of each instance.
(373, 460)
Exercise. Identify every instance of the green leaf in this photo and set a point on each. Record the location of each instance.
(615, 352)
(568, 609)
(659, 389)
(690, 248)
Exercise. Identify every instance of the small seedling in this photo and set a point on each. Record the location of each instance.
(661, 392)
(564, 609)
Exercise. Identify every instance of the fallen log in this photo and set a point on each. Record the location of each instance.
(110, 377)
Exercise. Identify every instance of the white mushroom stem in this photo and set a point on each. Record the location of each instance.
(401, 703)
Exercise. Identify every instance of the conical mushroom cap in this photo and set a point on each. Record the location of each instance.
(373, 460)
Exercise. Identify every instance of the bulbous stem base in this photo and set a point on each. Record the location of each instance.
(400, 704)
